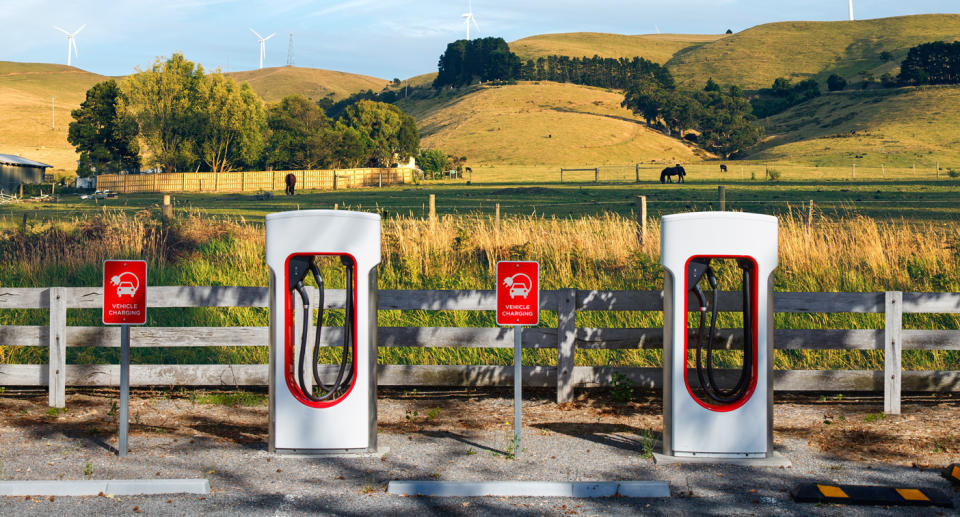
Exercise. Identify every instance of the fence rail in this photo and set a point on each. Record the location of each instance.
(328, 179)
(566, 338)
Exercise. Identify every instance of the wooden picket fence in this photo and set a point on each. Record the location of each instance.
(566, 338)
(326, 179)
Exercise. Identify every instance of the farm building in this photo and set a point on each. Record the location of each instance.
(15, 171)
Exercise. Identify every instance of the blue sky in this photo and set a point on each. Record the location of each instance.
(383, 38)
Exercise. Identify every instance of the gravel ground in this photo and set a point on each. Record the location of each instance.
(246, 479)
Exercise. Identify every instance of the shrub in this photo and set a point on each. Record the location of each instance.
(773, 175)
(953, 173)
(836, 83)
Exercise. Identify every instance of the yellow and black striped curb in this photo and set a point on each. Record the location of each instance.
(870, 495)
(953, 473)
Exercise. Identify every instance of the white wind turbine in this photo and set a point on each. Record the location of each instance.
(468, 18)
(71, 42)
(851, 10)
(263, 51)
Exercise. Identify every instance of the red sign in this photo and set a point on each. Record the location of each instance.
(518, 293)
(124, 292)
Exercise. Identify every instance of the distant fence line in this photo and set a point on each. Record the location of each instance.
(325, 179)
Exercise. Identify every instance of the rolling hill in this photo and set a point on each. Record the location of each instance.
(895, 127)
(28, 91)
(273, 84)
(755, 57)
(658, 48)
(539, 124)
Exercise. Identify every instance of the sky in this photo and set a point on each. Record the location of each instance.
(382, 38)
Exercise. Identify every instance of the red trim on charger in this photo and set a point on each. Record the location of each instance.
(754, 289)
(288, 338)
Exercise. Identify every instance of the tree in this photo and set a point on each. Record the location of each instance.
(233, 123)
(301, 135)
(484, 59)
(431, 160)
(932, 63)
(711, 86)
(388, 128)
(729, 31)
(103, 132)
(165, 102)
(835, 83)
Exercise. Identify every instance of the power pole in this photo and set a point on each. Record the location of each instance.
(290, 51)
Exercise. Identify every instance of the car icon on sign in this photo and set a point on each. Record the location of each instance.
(126, 288)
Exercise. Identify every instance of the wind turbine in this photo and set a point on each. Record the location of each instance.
(851, 10)
(71, 42)
(263, 51)
(468, 18)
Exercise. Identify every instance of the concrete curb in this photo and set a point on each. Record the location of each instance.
(107, 487)
(582, 489)
(777, 460)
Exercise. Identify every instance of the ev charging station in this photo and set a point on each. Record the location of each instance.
(707, 416)
(322, 409)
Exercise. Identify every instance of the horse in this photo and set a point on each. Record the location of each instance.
(723, 168)
(672, 171)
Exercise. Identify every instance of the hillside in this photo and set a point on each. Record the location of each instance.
(540, 124)
(895, 127)
(755, 57)
(27, 91)
(658, 48)
(273, 84)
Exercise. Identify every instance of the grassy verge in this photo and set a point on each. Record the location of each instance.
(591, 252)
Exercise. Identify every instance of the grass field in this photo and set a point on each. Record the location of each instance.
(900, 194)
(273, 84)
(755, 57)
(658, 48)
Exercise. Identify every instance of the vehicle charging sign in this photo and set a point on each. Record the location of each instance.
(124, 292)
(518, 293)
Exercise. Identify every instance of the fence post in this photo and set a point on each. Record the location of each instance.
(561, 181)
(810, 215)
(57, 369)
(496, 219)
(722, 191)
(596, 175)
(433, 212)
(641, 219)
(637, 176)
(853, 172)
(893, 347)
(566, 343)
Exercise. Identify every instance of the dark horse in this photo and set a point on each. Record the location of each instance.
(672, 171)
(723, 168)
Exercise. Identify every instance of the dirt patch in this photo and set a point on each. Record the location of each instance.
(925, 435)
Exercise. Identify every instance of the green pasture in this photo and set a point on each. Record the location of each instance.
(908, 194)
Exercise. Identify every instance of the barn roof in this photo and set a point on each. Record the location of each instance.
(10, 159)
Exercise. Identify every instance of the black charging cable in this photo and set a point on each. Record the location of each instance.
(299, 267)
(708, 382)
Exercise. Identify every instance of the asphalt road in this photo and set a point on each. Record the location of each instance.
(245, 479)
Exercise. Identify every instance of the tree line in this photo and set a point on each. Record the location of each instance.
(187, 120)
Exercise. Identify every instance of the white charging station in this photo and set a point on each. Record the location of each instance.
(702, 419)
(334, 412)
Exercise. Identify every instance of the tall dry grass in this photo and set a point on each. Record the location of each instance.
(460, 252)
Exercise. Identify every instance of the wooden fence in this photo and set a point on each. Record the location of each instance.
(252, 181)
(566, 339)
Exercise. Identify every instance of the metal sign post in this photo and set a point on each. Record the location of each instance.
(517, 389)
(518, 304)
(124, 390)
(124, 304)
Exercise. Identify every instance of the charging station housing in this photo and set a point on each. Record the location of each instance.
(693, 425)
(299, 422)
